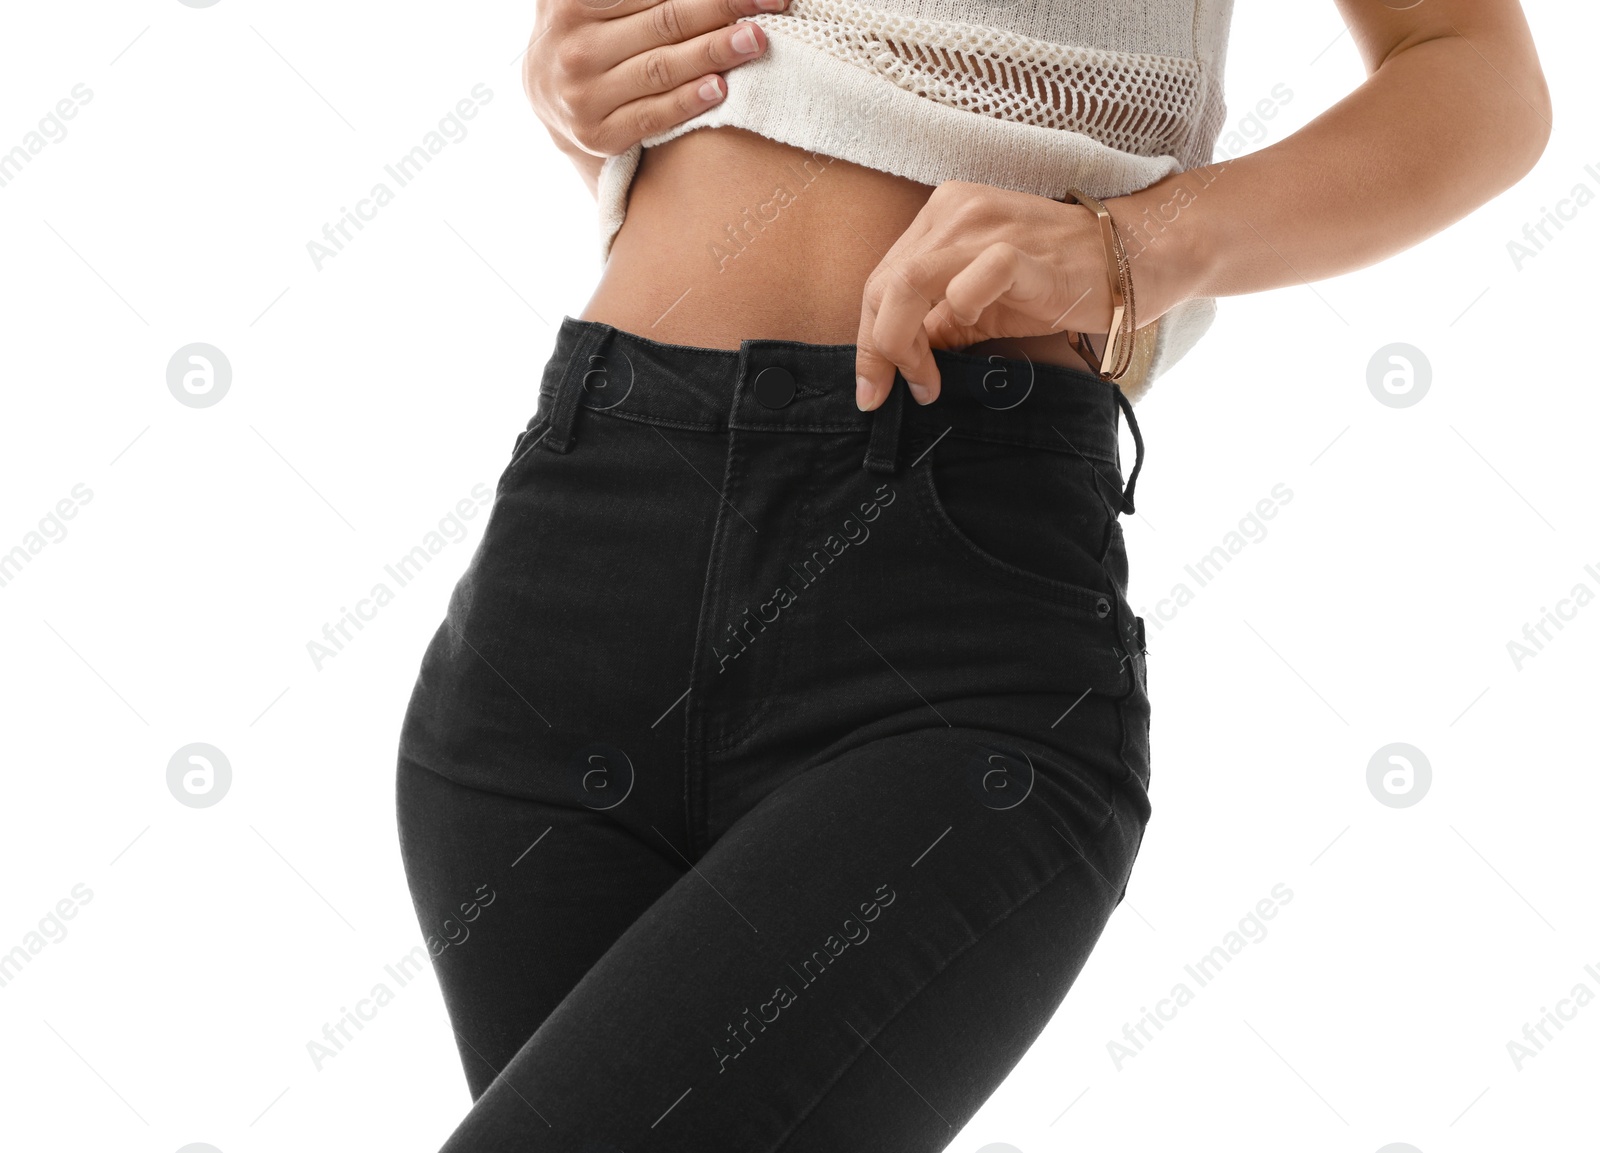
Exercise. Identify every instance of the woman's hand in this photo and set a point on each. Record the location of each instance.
(977, 263)
(604, 74)
(1455, 109)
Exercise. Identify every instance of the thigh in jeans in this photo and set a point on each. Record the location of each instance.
(855, 964)
(543, 701)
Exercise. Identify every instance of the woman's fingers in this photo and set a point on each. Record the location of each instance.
(605, 74)
(899, 295)
(638, 119)
(977, 263)
(657, 70)
(671, 24)
(999, 270)
(664, 86)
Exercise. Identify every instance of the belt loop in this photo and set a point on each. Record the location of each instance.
(1138, 443)
(593, 338)
(883, 450)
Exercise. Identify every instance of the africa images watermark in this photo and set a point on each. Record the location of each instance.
(458, 934)
(740, 235)
(451, 130)
(743, 1032)
(50, 932)
(1536, 634)
(1140, 1032)
(335, 1035)
(753, 222)
(1249, 132)
(1206, 568)
(743, 632)
(451, 529)
(1537, 1034)
(1537, 233)
(50, 531)
(52, 129)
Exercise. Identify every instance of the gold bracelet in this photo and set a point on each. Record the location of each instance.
(1119, 277)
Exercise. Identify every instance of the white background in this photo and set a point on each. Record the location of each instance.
(369, 396)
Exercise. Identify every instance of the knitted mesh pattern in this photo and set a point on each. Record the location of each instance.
(1143, 104)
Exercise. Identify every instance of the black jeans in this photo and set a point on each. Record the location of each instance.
(777, 765)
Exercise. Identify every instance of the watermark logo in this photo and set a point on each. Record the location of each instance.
(199, 375)
(603, 775)
(199, 775)
(599, 390)
(1399, 775)
(998, 388)
(1399, 375)
(999, 778)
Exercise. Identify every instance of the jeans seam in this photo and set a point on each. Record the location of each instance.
(695, 752)
(957, 955)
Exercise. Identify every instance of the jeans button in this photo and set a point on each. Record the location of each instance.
(1102, 608)
(774, 386)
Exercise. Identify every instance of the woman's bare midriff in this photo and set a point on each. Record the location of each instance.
(730, 236)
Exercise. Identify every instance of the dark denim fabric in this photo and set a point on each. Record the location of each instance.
(777, 765)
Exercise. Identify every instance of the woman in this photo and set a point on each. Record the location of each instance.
(785, 748)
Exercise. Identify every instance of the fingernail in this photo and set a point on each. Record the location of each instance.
(771, 5)
(863, 392)
(709, 89)
(744, 40)
(919, 392)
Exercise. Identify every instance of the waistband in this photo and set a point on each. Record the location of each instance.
(795, 386)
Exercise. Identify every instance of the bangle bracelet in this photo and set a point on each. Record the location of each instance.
(1119, 278)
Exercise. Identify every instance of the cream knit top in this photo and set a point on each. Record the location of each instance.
(1037, 96)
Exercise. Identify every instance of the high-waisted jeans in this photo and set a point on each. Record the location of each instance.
(777, 765)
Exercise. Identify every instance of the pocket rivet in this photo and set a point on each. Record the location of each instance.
(1102, 608)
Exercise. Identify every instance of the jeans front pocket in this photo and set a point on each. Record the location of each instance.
(1034, 518)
